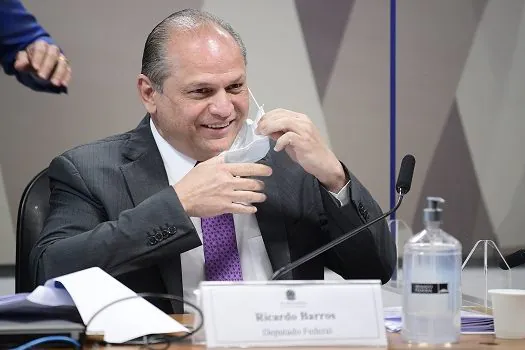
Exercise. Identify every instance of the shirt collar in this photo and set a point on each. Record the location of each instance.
(177, 165)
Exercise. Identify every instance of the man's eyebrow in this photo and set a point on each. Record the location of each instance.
(197, 84)
(241, 78)
(201, 84)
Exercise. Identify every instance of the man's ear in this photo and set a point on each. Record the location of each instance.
(147, 93)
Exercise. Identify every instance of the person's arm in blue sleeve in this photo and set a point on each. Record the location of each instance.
(28, 51)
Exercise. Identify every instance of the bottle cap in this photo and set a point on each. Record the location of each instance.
(433, 211)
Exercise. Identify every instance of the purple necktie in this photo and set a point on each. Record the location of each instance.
(221, 257)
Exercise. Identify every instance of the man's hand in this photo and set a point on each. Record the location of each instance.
(212, 188)
(298, 136)
(43, 59)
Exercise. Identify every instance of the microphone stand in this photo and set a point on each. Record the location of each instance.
(287, 268)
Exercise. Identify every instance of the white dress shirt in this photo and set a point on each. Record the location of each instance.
(255, 263)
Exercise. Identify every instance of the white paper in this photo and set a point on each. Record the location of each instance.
(471, 322)
(93, 288)
(50, 296)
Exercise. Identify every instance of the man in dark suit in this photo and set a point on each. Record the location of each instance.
(158, 208)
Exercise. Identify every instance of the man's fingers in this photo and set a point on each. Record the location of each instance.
(244, 184)
(22, 61)
(281, 124)
(219, 159)
(49, 62)
(248, 197)
(287, 139)
(67, 77)
(239, 208)
(275, 135)
(37, 51)
(248, 169)
(281, 113)
(60, 72)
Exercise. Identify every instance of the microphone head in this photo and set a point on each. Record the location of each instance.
(406, 171)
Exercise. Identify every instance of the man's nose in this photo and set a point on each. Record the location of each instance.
(221, 105)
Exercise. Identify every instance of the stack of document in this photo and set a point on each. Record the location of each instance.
(44, 302)
(83, 294)
(471, 322)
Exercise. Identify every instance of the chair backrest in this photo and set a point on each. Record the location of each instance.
(32, 212)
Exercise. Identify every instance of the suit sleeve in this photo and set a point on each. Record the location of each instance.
(19, 29)
(371, 254)
(77, 234)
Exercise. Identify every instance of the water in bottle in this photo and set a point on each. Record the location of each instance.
(432, 282)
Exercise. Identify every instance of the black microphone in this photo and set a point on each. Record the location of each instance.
(406, 171)
(513, 260)
(403, 184)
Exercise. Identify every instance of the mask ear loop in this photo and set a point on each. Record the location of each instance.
(253, 98)
(258, 106)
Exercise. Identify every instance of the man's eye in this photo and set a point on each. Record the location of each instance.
(202, 91)
(235, 87)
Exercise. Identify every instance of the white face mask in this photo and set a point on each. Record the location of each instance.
(247, 146)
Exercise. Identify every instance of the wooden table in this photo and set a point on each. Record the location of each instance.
(467, 342)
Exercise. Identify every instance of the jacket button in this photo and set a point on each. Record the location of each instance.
(172, 230)
(165, 233)
(152, 241)
(363, 211)
(158, 236)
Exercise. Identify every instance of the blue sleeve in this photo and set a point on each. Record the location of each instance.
(18, 29)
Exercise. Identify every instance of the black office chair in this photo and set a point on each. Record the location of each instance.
(32, 211)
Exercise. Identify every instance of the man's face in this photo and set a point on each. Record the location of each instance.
(205, 99)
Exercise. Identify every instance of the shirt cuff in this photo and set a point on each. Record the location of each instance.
(343, 196)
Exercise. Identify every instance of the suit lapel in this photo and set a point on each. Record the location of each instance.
(145, 175)
(271, 221)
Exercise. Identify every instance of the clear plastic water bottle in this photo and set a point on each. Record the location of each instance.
(432, 282)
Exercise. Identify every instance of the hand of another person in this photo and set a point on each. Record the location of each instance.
(213, 188)
(46, 61)
(298, 136)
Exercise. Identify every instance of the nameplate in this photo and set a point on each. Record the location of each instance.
(293, 313)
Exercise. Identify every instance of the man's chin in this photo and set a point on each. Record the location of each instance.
(215, 150)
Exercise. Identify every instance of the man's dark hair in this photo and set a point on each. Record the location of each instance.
(154, 61)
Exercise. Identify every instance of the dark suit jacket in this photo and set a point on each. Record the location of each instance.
(111, 206)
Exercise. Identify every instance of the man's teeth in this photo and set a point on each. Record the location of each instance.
(218, 126)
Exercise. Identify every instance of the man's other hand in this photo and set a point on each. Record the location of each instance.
(297, 135)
